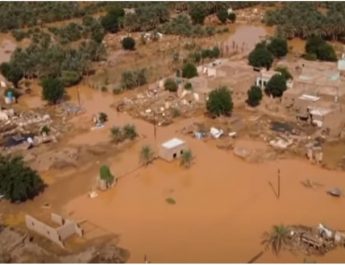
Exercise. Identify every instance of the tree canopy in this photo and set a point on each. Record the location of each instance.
(317, 48)
(53, 89)
(170, 85)
(12, 73)
(254, 96)
(106, 175)
(305, 19)
(189, 70)
(198, 14)
(18, 182)
(128, 43)
(261, 57)
(220, 102)
(222, 15)
(278, 47)
(276, 86)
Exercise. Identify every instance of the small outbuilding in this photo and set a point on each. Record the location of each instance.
(172, 149)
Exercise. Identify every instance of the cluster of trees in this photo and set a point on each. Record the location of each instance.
(18, 182)
(112, 21)
(275, 87)
(134, 78)
(305, 19)
(146, 17)
(45, 59)
(220, 102)
(199, 11)
(202, 54)
(182, 25)
(28, 14)
(317, 48)
(53, 89)
(224, 16)
(119, 134)
(265, 52)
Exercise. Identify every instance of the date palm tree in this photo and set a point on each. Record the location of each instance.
(276, 238)
(146, 155)
(186, 158)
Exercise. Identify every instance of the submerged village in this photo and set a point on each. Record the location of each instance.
(172, 132)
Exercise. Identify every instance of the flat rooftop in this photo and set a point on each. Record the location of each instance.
(174, 142)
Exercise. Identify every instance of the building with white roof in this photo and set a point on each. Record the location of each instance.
(172, 149)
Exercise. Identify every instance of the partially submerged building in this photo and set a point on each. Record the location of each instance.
(172, 149)
(316, 94)
(64, 228)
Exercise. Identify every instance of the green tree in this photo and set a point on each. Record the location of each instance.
(128, 43)
(260, 57)
(18, 182)
(188, 86)
(285, 72)
(198, 14)
(106, 175)
(222, 15)
(103, 117)
(220, 102)
(70, 78)
(116, 134)
(12, 73)
(170, 85)
(326, 53)
(276, 86)
(276, 238)
(130, 131)
(189, 70)
(278, 47)
(146, 155)
(313, 43)
(186, 158)
(254, 96)
(53, 90)
(232, 17)
(110, 21)
(45, 130)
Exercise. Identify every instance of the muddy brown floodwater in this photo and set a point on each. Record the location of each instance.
(223, 205)
(247, 36)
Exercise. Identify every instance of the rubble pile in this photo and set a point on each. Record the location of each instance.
(159, 106)
(24, 129)
(315, 241)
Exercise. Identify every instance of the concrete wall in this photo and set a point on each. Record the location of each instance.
(168, 154)
(43, 229)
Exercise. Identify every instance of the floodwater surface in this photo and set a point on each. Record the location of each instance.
(223, 205)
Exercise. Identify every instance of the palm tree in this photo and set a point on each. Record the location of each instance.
(276, 238)
(116, 134)
(186, 158)
(130, 131)
(146, 155)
